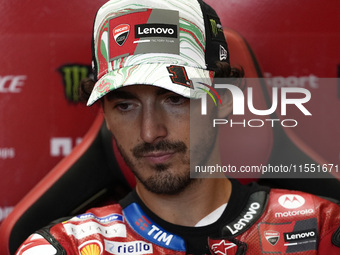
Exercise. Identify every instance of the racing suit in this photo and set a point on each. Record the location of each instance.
(257, 220)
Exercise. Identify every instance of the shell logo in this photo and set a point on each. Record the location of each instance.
(91, 248)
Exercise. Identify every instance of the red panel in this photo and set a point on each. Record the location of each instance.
(37, 38)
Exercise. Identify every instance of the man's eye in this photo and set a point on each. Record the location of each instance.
(176, 99)
(124, 106)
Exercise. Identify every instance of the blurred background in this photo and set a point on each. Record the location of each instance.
(45, 51)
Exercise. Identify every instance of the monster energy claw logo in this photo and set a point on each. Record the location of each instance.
(214, 27)
(72, 75)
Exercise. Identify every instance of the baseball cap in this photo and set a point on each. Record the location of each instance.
(170, 44)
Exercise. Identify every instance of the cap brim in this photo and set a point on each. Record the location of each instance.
(184, 80)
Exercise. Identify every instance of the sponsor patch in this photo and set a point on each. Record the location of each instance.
(245, 219)
(150, 231)
(134, 247)
(288, 237)
(291, 201)
(91, 248)
(72, 74)
(250, 214)
(156, 30)
(224, 247)
(305, 212)
(300, 236)
(303, 237)
(121, 33)
(293, 205)
(103, 220)
(82, 230)
(272, 236)
(223, 53)
(140, 32)
(216, 28)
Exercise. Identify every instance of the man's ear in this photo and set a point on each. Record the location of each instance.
(226, 108)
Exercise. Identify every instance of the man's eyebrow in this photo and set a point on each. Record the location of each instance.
(120, 94)
(162, 91)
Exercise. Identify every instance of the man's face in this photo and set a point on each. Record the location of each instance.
(151, 127)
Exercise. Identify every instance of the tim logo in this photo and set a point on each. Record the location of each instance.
(291, 201)
(224, 248)
(143, 223)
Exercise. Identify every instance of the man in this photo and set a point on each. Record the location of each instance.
(154, 62)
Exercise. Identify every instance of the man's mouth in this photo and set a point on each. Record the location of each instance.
(160, 153)
(160, 157)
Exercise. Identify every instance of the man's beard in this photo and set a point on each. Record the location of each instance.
(163, 181)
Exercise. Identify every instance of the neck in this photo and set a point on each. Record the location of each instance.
(187, 208)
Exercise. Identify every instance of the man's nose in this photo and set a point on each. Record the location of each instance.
(153, 126)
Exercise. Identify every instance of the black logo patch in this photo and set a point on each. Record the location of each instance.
(301, 235)
(155, 30)
(179, 76)
(248, 216)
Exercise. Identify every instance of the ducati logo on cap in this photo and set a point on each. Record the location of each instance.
(121, 33)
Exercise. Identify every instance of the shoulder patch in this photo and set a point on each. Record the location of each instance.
(292, 205)
(250, 214)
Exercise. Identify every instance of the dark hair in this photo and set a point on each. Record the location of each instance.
(223, 70)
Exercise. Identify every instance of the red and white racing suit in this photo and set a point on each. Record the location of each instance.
(257, 220)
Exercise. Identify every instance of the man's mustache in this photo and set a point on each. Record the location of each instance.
(162, 146)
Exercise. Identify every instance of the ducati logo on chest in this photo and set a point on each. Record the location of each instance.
(272, 236)
(121, 33)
